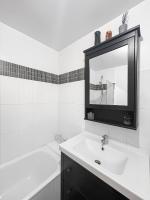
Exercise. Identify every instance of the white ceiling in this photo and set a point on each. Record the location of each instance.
(58, 23)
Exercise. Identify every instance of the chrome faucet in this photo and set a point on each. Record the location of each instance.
(104, 141)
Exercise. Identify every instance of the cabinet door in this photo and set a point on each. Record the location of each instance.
(71, 193)
(84, 183)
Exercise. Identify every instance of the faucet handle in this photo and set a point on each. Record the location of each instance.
(102, 137)
(105, 138)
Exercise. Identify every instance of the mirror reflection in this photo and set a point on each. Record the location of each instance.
(109, 78)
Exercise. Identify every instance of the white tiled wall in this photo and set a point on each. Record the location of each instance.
(71, 119)
(71, 109)
(28, 115)
(28, 109)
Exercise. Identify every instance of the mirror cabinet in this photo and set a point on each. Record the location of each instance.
(111, 80)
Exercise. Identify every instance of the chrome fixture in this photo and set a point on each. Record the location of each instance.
(104, 141)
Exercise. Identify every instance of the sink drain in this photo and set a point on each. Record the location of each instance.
(98, 162)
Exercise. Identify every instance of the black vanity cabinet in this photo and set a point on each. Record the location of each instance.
(111, 80)
(77, 183)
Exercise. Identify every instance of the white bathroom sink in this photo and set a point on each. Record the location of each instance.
(124, 167)
(109, 158)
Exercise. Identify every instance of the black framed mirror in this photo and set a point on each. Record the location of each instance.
(111, 80)
(108, 78)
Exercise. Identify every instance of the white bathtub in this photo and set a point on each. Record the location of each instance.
(34, 176)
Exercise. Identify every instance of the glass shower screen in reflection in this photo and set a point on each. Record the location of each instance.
(109, 78)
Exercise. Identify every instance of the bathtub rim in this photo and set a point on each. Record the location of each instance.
(44, 149)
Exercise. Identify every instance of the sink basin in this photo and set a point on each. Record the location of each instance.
(109, 158)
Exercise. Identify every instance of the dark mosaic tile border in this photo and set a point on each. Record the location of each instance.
(19, 71)
(76, 75)
(98, 87)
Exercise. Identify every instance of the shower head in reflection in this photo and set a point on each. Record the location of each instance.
(101, 80)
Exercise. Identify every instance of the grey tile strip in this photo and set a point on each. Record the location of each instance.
(76, 75)
(19, 71)
(98, 87)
